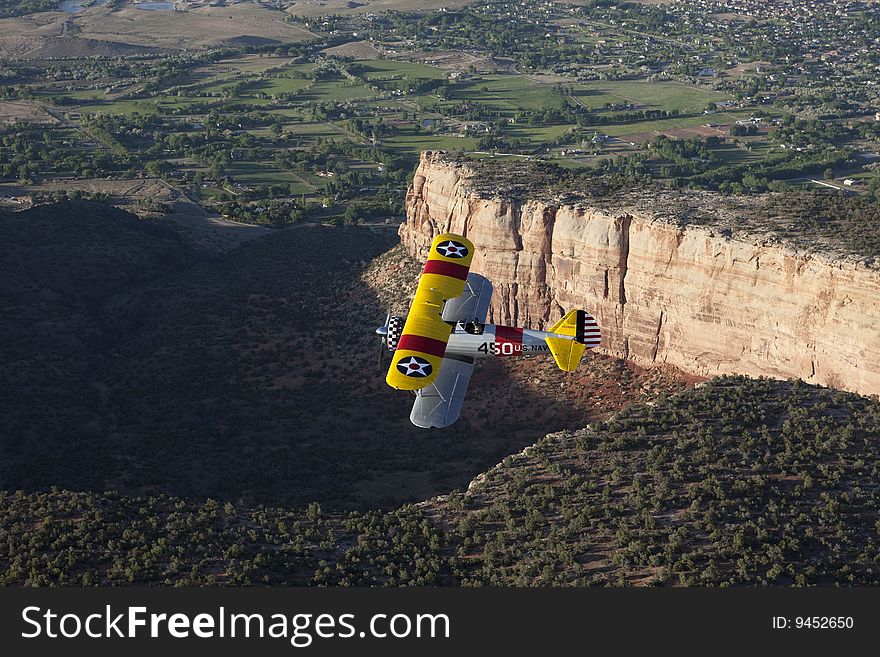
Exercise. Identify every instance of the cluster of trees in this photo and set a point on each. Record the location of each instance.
(60, 538)
(694, 166)
(522, 40)
(811, 132)
(771, 173)
(593, 118)
(329, 153)
(376, 207)
(274, 213)
(32, 152)
(852, 222)
(742, 482)
(16, 92)
(495, 141)
(744, 130)
(680, 150)
(61, 195)
(10, 8)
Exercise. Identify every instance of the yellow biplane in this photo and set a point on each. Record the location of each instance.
(434, 349)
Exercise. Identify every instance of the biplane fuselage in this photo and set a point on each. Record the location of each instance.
(435, 346)
(499, 341)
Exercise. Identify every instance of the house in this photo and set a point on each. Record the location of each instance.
(476, 126)
(849, 182)
(877, 116)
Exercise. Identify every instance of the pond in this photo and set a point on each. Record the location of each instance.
(155, 6)
(75, 6)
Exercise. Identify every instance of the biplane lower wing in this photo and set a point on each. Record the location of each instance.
(473, 304)
(439, 404)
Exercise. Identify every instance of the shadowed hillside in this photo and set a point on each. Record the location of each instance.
(141, 366)
(740, 482)
(236, 406)
(58, 267)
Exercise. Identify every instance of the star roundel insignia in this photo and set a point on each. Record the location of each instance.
(414, 366)
(452, 249)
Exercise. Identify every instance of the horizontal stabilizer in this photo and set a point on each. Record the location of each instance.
(566, 351)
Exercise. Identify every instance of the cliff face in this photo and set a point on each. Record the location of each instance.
(689, 296)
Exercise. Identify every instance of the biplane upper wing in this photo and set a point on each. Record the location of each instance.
(419, 354)
(439, 404)
(473, 304)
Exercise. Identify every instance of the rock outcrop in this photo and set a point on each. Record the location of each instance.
(693, 296)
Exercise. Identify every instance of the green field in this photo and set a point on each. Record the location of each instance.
(177, 102)
(313, 130)
(537, 135)
(84, 94)
(254, 63)
(663, 125)
(386, 69)
(263, 173)
(646, 95)
(508, 93)
(219, 85)
(414, 144)
(118, 107)
(277, 83)
(276, 86)
(300, 68)
(335, 90)
(731, 154)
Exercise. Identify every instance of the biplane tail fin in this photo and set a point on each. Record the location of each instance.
(581, 332)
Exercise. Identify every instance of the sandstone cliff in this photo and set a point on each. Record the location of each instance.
(664, 291)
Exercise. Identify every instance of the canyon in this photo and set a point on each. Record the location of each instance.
(664, 287)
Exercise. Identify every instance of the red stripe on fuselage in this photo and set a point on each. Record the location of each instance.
(429, 346)
(444, 268)
(508, 334)
(511, 335)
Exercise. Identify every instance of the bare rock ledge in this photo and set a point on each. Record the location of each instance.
(689, 296)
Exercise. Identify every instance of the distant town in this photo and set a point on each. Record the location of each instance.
(285, 112)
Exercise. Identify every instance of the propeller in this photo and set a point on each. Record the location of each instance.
(382, 332)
